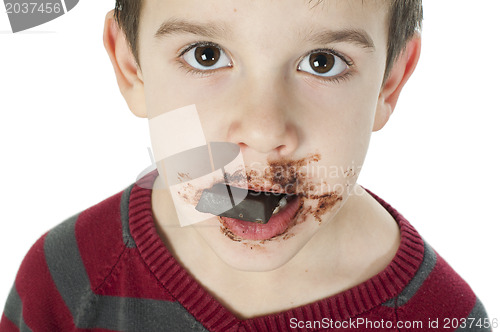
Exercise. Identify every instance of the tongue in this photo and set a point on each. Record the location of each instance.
(252, 206)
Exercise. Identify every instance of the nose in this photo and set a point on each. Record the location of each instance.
(263, 121)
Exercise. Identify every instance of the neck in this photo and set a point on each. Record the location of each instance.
(359, 241)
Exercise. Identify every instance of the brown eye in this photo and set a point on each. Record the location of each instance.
(207, 55)
(321, 62)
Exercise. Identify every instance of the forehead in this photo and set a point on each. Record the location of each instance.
(306, 4)
(347, 13)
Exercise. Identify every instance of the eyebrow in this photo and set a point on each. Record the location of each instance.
(175, 26)
(353, 36)
(211, 30)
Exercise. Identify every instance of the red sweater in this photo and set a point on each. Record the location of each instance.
(106, 268)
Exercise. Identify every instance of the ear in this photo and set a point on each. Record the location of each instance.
(399, 75)
(128, 73)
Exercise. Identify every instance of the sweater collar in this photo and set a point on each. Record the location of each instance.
(372, 293)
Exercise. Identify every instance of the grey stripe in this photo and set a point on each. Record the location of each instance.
(132, 314)
(66, 266)
(477, 316)
(423, 272)
(14, 310)
(107, 312)
(124, 204)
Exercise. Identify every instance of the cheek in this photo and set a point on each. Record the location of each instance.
(162, 94)
(340, 112)
(170, 91)
(339, 121)
(168, 87)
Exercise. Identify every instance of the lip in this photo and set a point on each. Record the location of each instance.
(278, 224)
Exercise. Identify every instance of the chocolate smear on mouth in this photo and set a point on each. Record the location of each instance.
(190, 194)
(284, 175)
(326, 203)
(227, 232)
(183, 177)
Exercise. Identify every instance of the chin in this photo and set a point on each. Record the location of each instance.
(257, 255)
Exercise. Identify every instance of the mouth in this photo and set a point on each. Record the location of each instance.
(250, 214)
(281, 220)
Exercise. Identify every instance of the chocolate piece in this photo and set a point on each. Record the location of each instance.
(226, 201)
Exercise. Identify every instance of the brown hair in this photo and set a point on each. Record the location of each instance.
(405, 18)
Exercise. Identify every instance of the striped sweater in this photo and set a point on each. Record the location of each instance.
(106, 269)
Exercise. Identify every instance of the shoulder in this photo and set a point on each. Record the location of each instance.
(91, 241)
(63, 268)
(434, 292)
(437, 293)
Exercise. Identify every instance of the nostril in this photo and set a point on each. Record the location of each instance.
(283, 150)
(242, 146)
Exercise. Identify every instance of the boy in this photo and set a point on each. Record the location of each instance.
(298, 86)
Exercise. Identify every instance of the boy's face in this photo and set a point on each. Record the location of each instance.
(288, 81)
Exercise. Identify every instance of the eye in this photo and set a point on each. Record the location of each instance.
(323, 63)
(206, 57)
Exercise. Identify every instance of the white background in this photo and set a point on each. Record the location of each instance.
(69, 141)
